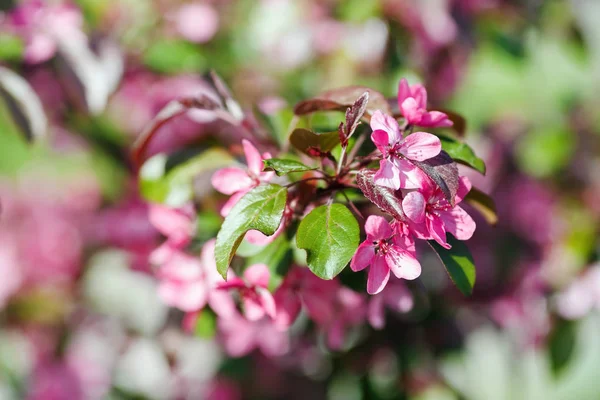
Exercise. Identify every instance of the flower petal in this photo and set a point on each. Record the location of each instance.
(403, 91)
(379, 274)
(435, 119)
(376, 311)
(464, 187)
(230, 180)
(421, 146)
(253, 157)
(232, 202)
(403, 264)
(377, 228)
(288, 307)
(381, 139)
(363, 256)
(419, 93)
(387, 123)
(388, 175)
(413, 205)
(459, 223)
(409, 175)
(411, 111)
(258, 275)
(437, 231)
(268, 302)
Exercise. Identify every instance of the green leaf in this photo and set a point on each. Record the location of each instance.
(278, 256)
(330, 236)
(484, 204)
(174, 56)
(261, 209)
(462, 153)
(175, 186)
(11, 47)
(458, 262)
(304, 140)
(206, 324)
(284, 167)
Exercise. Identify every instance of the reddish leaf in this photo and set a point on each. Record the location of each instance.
(174, 109)
(313, 143)
(342, 98)
(444, 172)
(383, 197)
(354, 113)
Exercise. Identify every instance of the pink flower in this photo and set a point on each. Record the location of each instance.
(254, 292)
(395, 296)
(412, 102)
(395, 169)
(197, 22)
(432, 215)
(189, 283)
(43, 26)
(240, 336)
(581, 296)
(238, 181)
(176, 224)
(303, 288)
(349, 312)
(386, 250)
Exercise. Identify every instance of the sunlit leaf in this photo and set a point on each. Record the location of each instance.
(484, 204)
(462, 153)
(261, 209)
(284, 167)
(443, 171)
(342, 98)
(458, 263)
(330, 236)
(381, 196)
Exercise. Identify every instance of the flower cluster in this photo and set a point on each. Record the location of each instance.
(271, 200)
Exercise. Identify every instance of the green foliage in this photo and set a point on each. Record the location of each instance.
(462, 153)
(330, 236)
(284, 167)
(261, 209)
(458, 262)
(173, 56)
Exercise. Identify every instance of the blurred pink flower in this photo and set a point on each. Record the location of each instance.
(240, 336)
(581, 296)
(176, 224)
(385, 249)
(54, 381)
(196, 22)
(412, 102)
(43, 25)
(253, 289)
(395, 297)
(189, 283)
(236, 181)
(349, 312)
(432, 215)
(395, 171)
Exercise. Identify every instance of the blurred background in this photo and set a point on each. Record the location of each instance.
(80, 317)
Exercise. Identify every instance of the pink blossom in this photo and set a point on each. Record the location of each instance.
(303, 288)
(54, 381)
(253, 290)
(176, 224)
(240, 336)
(236, 181)
(395, 169)
(349, 312)
(395, 297)
(432, 215)
(43, 25)
(412, 102)
(197, 22)
(386, 249)
(189, 283)
(581, 296)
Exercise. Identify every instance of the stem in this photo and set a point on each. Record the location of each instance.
(314, 178)
(356, 147)
(342, 160)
